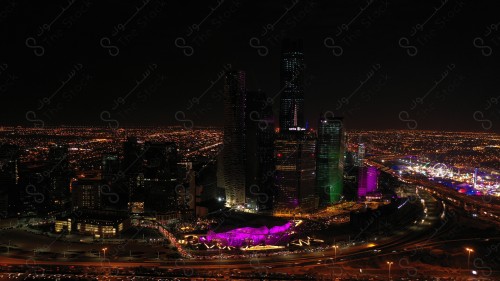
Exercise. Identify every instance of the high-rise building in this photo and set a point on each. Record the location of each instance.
(116, 188)
(59, 174)
(86, 193)
(330, 160)
(234, 138)
(361, 155)
(259, 151)
(160, 161)
(58, 158)
(188, 193)
(132, 156)
(295, 148)
(161, 177)
(474, 180)
(131, 171)
(110, 167)
(367, 180)
(292, 85)
(219, 192)
(295, 171)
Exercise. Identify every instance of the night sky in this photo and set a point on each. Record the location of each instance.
(380, 64)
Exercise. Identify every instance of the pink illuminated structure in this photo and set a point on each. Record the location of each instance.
(367, 181)
(251, 236)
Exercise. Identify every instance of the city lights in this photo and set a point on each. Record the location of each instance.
(265, 140)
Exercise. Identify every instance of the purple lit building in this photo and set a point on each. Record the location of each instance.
(251, 236)
(367, 180)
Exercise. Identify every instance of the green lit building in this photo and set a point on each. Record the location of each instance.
(329, 160)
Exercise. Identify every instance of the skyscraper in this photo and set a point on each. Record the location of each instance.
(367, 180)
(131, 175)
(58, 158)
(132, 158)
(234, 138)
(110, 167)
(329, 160)
(160, 161)
(295, 171)
(161, 176)
(474, 179)
(259, 151)
(59, 174)
(295, 147)
(361, 155)
(292, 85)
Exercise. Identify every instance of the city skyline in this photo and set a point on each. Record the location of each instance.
(249, 140)
(157, 194)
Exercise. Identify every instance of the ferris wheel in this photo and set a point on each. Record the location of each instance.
(440, 170)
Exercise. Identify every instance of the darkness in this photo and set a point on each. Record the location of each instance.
(458, 47)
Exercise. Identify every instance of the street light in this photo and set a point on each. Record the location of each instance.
(389, 263)
(469, 250)
(104, 250)
(335, 247)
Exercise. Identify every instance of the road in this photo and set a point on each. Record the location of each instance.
(483, 206)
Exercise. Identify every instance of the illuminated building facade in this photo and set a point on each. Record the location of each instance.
(234, 138)
(474, 179)
(329, 160)
(136, 207)
(63, 225)
(295, 171)
(295, 148)
(99, 228)
(292, 85)
(99, 224)
(132, 169)
(361, 155)
(86, 194)
(367, 181)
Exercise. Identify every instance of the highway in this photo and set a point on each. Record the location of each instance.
(482, 206)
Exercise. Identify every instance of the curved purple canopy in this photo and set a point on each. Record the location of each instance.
(251, 235)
